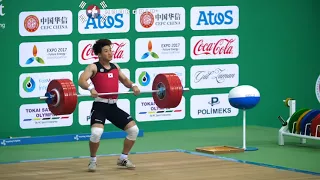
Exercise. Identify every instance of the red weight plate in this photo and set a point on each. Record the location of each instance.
(55, 84)
(173, 92)
(171, 88)
(71, 97)
(67, 95)
(165, 101)
(315, 122)
(176, 85)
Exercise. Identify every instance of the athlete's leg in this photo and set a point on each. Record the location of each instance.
(124, 121)
(132, 129)
(96, 132)
(97, 127)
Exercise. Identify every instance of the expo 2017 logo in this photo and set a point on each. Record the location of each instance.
(318, 88)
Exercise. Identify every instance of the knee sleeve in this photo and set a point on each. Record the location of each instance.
(132, 133)
(96, 134)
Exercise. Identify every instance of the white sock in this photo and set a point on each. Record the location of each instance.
(123, 156)
(93, 159)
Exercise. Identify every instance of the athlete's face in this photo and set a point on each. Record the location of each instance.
(106, 53)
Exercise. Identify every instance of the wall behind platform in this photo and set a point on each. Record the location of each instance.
(274, 48)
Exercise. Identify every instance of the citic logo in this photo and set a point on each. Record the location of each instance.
(29, 84)
(31, 23)
(35, 57)
(150, 52)
(144, 78)
(146, 19)
(97, 21)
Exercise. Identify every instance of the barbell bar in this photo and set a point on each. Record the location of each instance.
(62, 98)
(113, 93)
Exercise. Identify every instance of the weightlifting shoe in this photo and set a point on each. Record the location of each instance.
(92, 166)
(125, 163)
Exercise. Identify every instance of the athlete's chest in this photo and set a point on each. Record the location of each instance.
(105, 74)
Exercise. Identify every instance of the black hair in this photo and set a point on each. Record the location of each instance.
(97, 47)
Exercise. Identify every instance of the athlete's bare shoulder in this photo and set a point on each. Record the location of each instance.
(92, 67)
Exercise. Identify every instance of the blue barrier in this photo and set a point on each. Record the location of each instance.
(61, 138)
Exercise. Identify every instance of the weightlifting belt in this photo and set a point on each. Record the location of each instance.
(108, 101)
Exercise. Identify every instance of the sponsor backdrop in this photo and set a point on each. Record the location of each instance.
(212, 47)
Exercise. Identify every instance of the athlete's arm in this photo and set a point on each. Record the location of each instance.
(124, 79)
(84, 77)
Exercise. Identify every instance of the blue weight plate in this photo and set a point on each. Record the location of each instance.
(307, 119)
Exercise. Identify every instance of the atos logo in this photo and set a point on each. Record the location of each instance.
(215, 17)
(97, 20)
(211, 18)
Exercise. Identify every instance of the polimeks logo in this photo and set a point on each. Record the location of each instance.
(2, 25)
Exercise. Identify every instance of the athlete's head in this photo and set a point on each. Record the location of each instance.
(102, 48)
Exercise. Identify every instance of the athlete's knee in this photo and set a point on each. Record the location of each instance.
(132, 133)
(96, 133)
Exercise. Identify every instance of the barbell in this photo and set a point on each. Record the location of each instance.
(62, 98)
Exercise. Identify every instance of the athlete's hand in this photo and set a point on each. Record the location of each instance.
(94, 93)
(136, 90)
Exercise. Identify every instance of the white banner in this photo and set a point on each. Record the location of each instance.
(214, 76)
(94, 20)
(214, 47)
(147, 110)
(160, 49)
(54, 53)
(160, 19)
(34, 116)
(45, 23)
(120, 50)
(211, 105)
(214, 17)
(35, 84)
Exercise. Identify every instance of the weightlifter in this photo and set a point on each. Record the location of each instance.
(105, 77)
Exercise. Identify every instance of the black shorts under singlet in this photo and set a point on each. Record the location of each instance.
(101, 112)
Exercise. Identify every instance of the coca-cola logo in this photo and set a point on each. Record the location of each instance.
(117, 50)
(216, 74)
(221, 47)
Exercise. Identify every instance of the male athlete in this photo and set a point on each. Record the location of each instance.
(105, 77)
